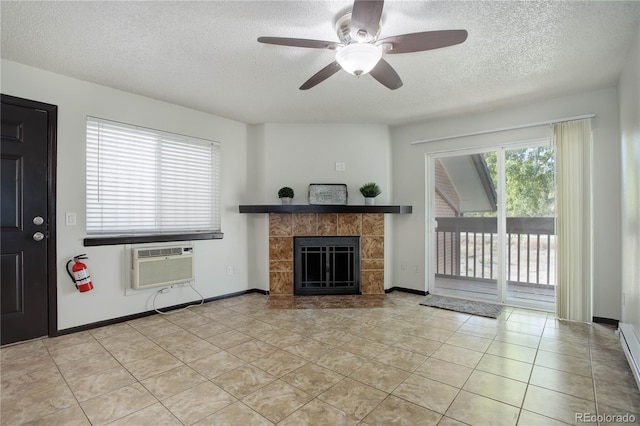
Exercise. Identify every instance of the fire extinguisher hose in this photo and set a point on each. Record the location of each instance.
(70, 274)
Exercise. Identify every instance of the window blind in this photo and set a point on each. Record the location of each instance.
(142, 181)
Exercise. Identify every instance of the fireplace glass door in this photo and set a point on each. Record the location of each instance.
(326, 265)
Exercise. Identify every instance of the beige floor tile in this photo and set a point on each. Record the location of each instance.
(110, 330)
(277, 400)
(364, 347)
(538, 320)
(448, 421)
(280, 338)
(24, 403)
(511, 351)
(340, 361)
(75, 370)
(517, 327)
(468, 341)
(233, 415)
(527, 418)
(527, 340)
(566, 363)
(198, 402)
(380, 376)
(386, 337)
(63, 354)
(571, 384)
(172, 382)
(209, 329)
(444, 372)
(619, 396)
(432, 333)
(23, 350)
(312, 378)
(137, 350)
(475, 409)
(252, 350)
(478, 330)
(153, 332)
(620, 374)
(279, 363)
(17, 368)
(216, 364)
(153, 365)
(496, 387)
(394, 410)
(401, 358)
(564, 347)
(427, 393)
(153, 415)
(68, 340)
(556, 405)
(243, 380)
(229, 339)
(352, 397)
(176, 340)
(512, 369)
(289, 343)
(114, 405)
(308, 349)
(458, 355)
(418, 345)
(72, 416)
(318, 413)
(194, 351)
(101, 383)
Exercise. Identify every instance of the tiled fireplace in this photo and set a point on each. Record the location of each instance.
(283, 227)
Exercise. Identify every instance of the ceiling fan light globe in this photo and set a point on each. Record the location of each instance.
(358, 58)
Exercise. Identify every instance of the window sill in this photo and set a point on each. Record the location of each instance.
(158, 238)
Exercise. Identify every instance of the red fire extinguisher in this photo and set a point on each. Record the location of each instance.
(79, 273)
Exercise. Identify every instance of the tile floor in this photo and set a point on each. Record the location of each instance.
(251, 361)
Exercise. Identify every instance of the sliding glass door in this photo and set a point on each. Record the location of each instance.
(493, 225)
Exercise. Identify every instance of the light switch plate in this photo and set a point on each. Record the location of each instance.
(70, 219)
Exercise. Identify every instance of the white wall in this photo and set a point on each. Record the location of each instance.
(409, 180)
(77, 99)
(296, 155)
(629, 93)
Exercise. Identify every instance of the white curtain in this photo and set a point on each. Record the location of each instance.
(573, 144)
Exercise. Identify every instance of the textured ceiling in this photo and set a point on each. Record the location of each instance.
(204, 55)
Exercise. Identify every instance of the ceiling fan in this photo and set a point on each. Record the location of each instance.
(360, 51)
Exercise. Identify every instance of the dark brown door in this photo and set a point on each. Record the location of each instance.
(26, 217)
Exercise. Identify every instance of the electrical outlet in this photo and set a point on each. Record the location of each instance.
(340, 166)
(229, 270)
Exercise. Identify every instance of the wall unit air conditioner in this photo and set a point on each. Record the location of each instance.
(161, 266)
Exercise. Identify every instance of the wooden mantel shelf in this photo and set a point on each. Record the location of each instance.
(318, 208)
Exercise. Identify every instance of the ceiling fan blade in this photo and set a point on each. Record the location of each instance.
(385, 74)
(366, 16)
(321, 75)
(299, 42)
(417, 42)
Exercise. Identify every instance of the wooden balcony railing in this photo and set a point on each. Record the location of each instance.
(467, 247)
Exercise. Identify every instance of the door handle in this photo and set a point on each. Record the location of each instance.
(38, 236)
(38, 220)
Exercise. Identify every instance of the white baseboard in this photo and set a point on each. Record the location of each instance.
(631, 347)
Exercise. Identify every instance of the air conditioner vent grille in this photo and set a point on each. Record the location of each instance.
(159, 252)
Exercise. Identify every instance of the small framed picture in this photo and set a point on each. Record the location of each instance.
(328, 193)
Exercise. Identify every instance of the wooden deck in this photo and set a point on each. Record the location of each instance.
(520, 295)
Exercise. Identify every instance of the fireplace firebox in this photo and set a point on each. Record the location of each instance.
(326, 265)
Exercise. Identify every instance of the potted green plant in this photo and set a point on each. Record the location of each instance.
(285, 194)
(370, 191)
